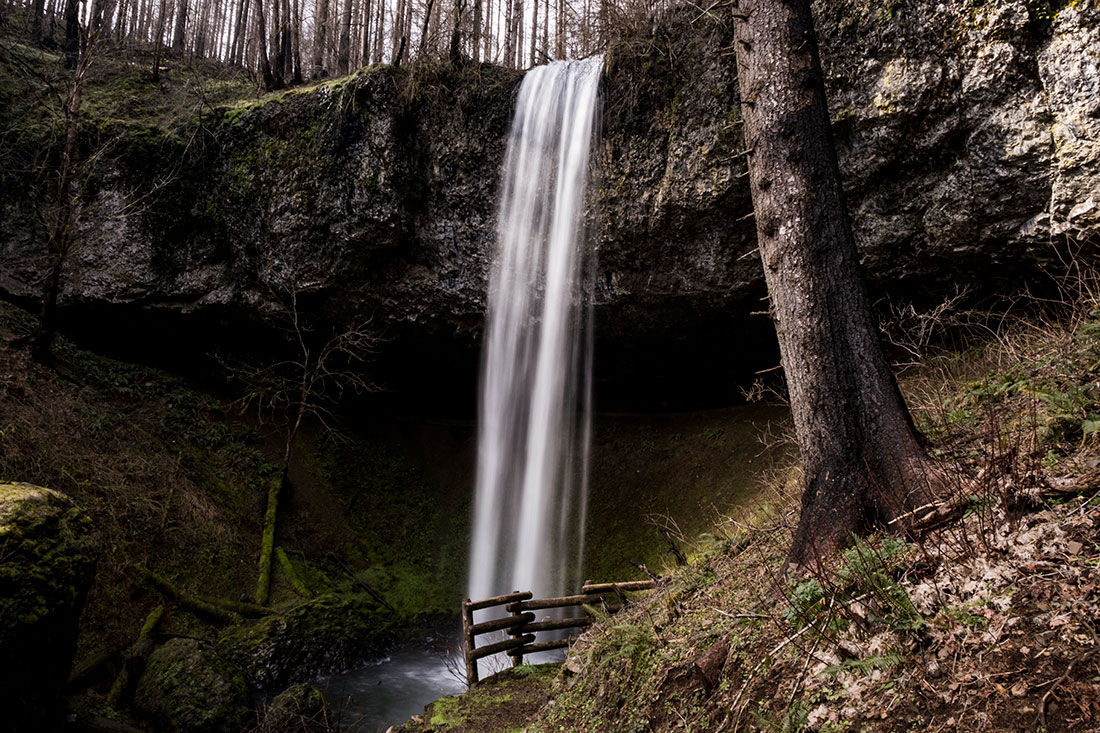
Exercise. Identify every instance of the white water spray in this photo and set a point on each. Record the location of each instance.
(534, 420)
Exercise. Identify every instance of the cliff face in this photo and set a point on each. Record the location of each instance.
(968, 134)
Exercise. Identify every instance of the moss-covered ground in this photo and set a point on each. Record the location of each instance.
(505, 702)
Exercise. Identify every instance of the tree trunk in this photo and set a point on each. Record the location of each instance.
(475, 41)
(517, 18)
(181, 25)
(63, 222)
(36, 21)
(343, 62)
(278, 58)
(861, 458)
(455, 51)
(267, 541)
(534, 32)
(72, 33)
(559, 31)
(261, 46)
(379, 25)
(509, 34)
(318, 69)
(424, 29)
(158, 41)
(296, 42)
(236, 51)
(364, 35)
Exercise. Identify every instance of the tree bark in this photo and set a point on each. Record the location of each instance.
(455, 51)
(277, 58)
(343, 63)
(862, 461)
(424, 29)
(365, 38)
(158, 43)
(475, 41)
(319, 39)
(72, 33)
(379, 24)
(37, 9)
(261, 46)
(181, 25)
(296, 42)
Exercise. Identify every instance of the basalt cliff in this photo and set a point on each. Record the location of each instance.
(968, 134)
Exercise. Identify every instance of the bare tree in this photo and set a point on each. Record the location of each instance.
(299, 388)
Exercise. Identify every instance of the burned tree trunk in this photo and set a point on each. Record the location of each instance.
(862, 460)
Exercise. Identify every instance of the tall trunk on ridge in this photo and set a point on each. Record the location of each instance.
(862, 461)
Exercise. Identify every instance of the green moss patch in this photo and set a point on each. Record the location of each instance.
(503, 702)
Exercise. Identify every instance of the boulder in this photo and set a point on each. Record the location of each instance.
(331, 633)
(187, 686)
(47, 563)
(298, 709)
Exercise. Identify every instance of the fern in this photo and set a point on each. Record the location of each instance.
(795, 720)
(888, 662)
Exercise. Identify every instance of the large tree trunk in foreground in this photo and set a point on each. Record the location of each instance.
(862, 461)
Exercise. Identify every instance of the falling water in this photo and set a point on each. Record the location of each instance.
(534, 421)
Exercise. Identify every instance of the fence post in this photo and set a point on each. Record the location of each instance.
(468, 643)
(513, 631)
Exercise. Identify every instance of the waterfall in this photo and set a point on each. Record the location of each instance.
(534, 412)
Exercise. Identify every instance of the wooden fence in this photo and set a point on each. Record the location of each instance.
(522, 628)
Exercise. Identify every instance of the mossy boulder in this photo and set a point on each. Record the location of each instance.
(47, 562)
(187, 686)
(297, 709)
(327, 634)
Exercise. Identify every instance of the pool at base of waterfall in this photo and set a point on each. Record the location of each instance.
(392, 690)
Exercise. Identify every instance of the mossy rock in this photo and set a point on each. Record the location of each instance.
(297, 709)
(47, 563)
(331, 633)
(186, 686)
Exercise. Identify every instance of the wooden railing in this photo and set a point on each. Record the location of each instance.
(522, 628)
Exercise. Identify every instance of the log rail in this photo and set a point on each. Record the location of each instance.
(522, 628)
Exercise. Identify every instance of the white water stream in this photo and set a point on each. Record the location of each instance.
(534, 414)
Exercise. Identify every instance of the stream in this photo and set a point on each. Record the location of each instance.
(390, 691)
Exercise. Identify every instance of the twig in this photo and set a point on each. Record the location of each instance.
(1043, 703)
(813, 649)
(752, 675)
(763, 616)
(365, 587)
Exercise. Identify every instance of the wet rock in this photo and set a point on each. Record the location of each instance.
(327, 634)
(297, 709)
(187, 686)
(47, 563)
